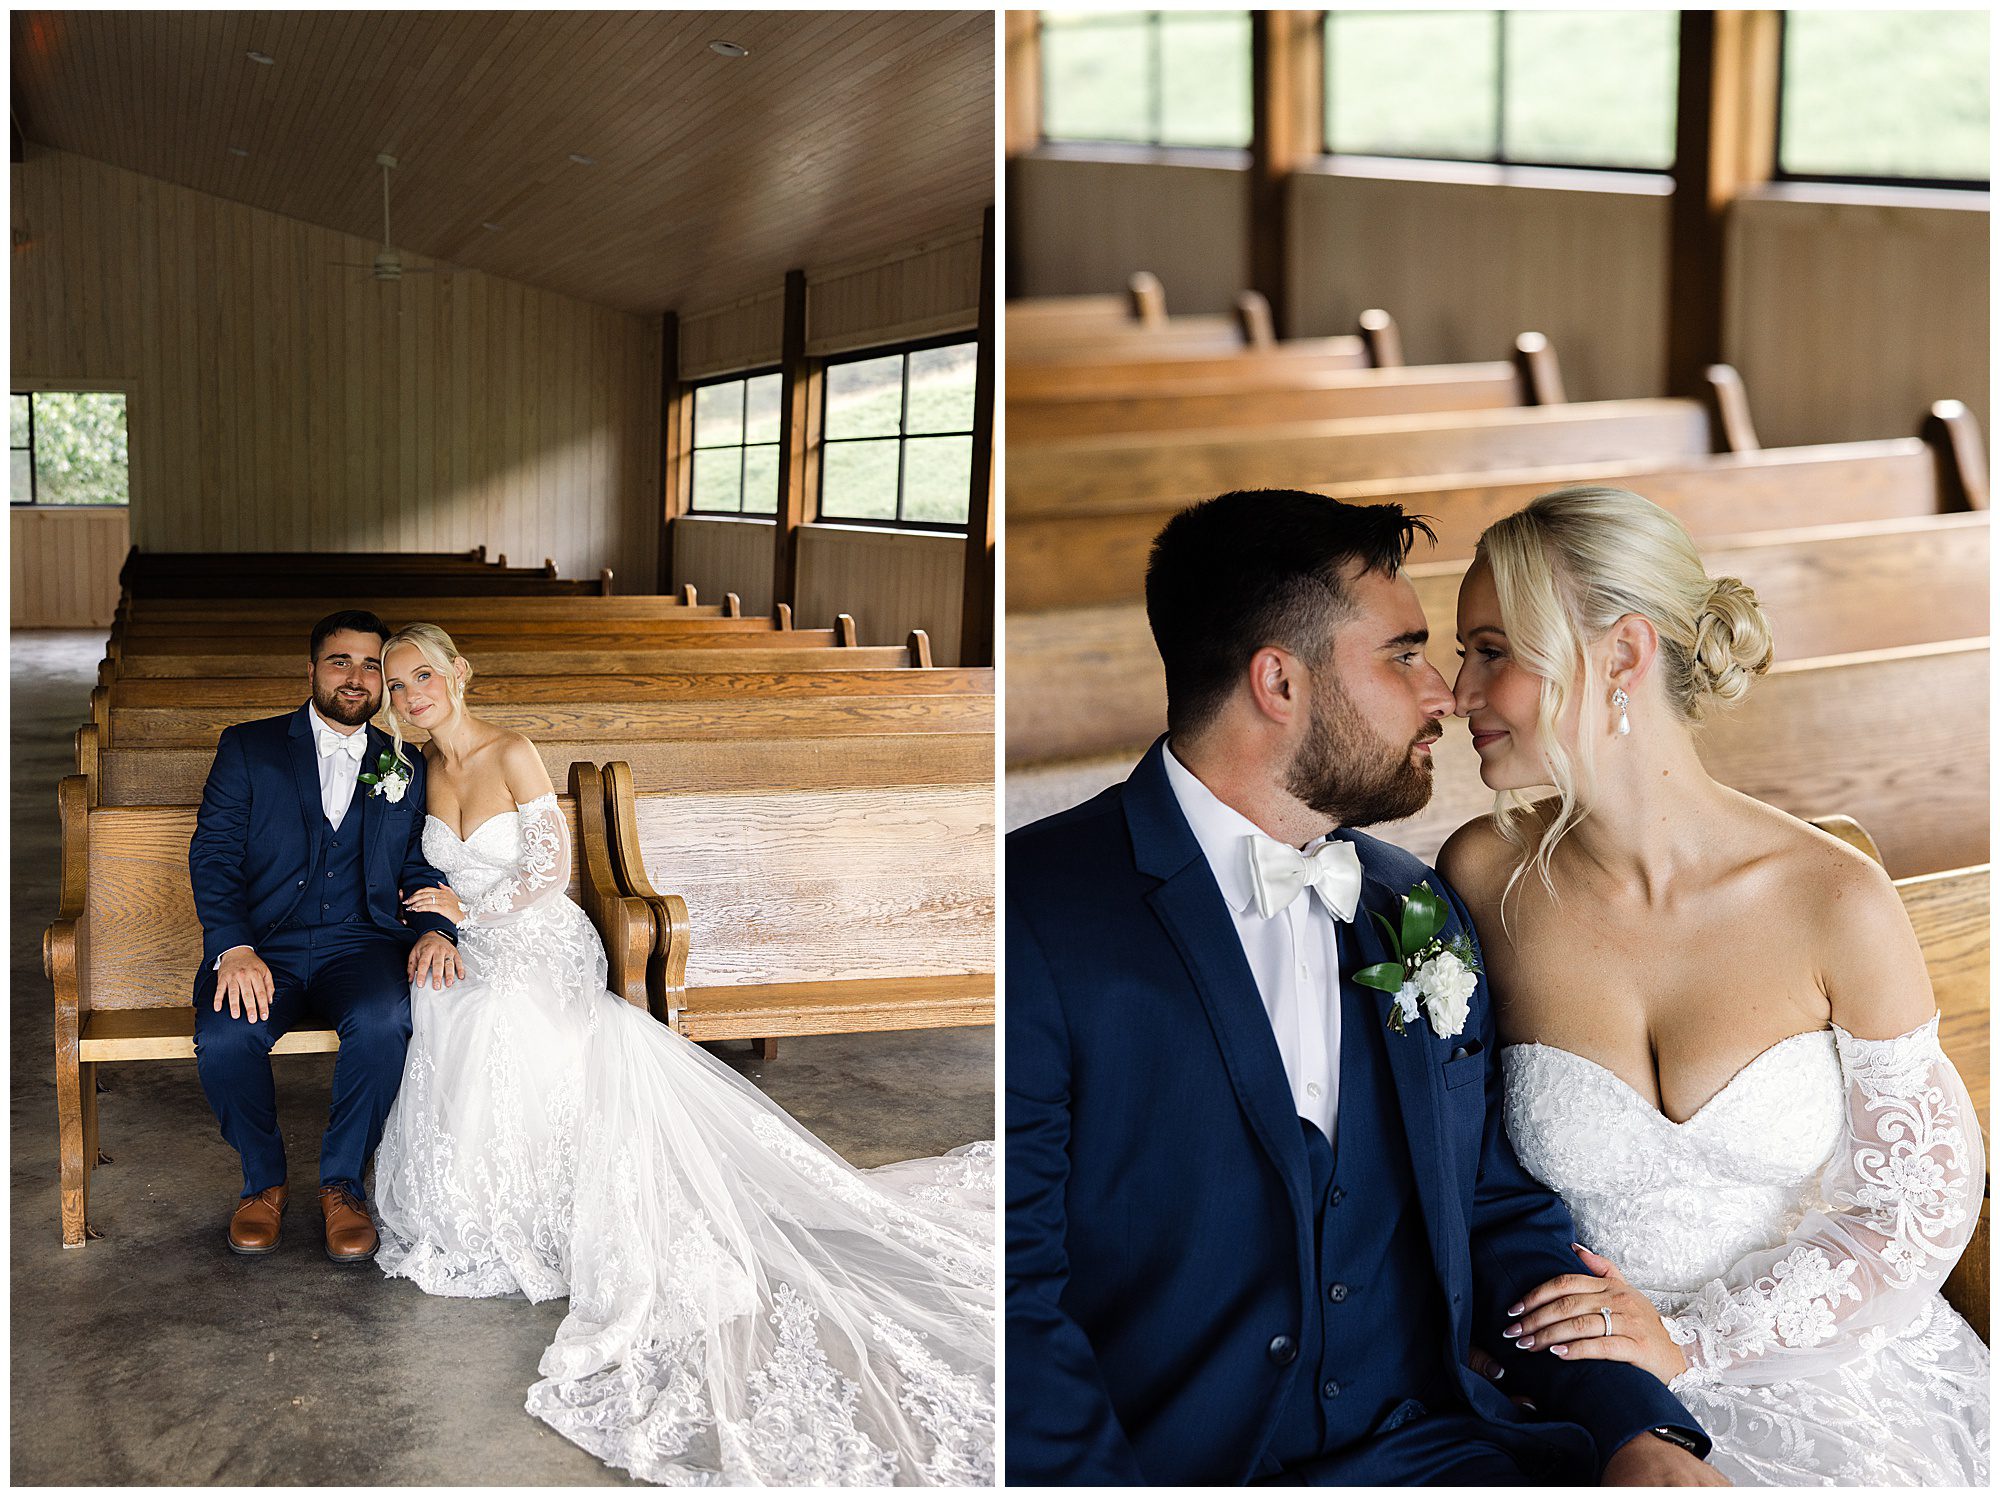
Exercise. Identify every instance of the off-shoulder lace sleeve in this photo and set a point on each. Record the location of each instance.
(1901, 1196)
(543, 872)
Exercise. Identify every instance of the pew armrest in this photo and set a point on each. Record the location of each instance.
(625, 924)
(673, 933)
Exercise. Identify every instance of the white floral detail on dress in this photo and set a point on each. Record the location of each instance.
(1794, 1233)
(744, 1305)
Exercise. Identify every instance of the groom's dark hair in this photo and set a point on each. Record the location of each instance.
(358, 619)
(1253, 568)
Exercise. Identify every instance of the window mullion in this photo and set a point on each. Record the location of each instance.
(34, 463)
(902, 438)
(1500, 87)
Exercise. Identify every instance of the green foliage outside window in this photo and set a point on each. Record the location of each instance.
(1167, 78)
(68, 447)
(897, 437)
(1885, 94)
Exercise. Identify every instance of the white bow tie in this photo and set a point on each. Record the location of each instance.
(349, 744)
(1278, 873)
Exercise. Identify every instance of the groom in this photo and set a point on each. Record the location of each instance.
(297, 866)
(1253, 1234)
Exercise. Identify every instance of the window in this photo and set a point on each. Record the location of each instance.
(1555, 88)
(736, 446)
(68, 448)
(897, 437)
(1148, 77)
(1885, 96)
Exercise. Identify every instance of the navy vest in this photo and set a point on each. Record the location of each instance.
(337, 889)
(1373, 1351)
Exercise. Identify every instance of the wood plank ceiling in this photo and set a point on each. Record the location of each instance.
(843, 135)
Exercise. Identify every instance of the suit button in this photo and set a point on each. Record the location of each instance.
(1283, 1350)
(302, 883)
(1336, 1292)
(1337, 1197)
(1330, 1388)
(329, 873)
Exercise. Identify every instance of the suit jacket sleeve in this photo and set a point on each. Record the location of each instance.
(1521, 1235)
(1061, 1427)
(217, 852)
(416, 871)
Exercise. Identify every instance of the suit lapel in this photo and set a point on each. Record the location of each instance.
(1414, 1067)
(1197, 921)
(303, 746)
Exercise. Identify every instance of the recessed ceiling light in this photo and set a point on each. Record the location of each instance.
(728, 49)
(262, 57)
(238, 151)
(491, 228)
(582, 160)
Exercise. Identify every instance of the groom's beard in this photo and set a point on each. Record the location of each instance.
(348, 715)
(1348, 774)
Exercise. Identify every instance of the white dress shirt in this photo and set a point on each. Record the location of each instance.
(1294, 955)
(340, 757)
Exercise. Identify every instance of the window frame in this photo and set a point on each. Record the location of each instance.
(1499, 156)
(742, 376)
(30, 389)
(1155, 105)
(1831, 179)
(968, 337)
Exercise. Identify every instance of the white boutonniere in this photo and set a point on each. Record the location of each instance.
(1430, 974)
(389, 779)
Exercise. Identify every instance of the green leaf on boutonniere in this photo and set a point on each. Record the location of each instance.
(1386, 977)
(368, 779)
(1395, 940)
(1423, 917)
(386, 763)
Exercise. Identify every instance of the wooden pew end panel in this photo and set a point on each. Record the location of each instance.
(1953, 435)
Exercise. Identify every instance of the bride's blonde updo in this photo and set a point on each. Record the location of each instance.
(1566, 569)
(431, 642)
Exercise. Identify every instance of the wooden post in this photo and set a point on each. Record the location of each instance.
(676, 454)
(1725, 143)
(975, 625)
(1285, 133)
(794, 443)
(1024, 81)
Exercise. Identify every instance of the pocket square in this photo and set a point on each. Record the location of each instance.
(1470, 1047)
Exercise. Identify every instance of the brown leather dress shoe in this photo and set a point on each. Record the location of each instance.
(350, 1232)
(253, 1225)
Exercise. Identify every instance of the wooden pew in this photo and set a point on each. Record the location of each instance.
(1088, 680)
(813, 910)
(1094, 551)
(1223, 401)
(1897, 738)
(1127, 469)
(124, 947)
(293, 611)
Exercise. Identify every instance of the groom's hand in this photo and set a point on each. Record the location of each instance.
(1646, 1460)
(435, 960)
(245, 981)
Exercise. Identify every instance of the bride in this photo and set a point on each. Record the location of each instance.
(1719, 1042)
(744, 1306)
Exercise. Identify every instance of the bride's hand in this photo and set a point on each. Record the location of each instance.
(1566, 1317)
(438, 901)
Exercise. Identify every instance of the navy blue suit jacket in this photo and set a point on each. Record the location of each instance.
(260, 827)
(1158, 1230)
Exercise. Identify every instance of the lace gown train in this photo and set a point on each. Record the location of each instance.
(1793, 1234)
(744, 1306)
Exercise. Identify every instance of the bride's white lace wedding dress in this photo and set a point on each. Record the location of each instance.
(1793, 1234)
(744, 1306)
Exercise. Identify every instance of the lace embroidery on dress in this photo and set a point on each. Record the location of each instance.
(744, 1306)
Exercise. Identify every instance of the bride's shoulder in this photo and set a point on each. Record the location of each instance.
(1478, 858)
(521, 763)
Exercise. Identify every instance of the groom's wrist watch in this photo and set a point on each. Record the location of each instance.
(1678, 1437)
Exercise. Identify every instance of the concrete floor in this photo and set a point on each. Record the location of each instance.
(153, 1355)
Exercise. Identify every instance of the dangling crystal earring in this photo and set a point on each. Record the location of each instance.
(1618, 700)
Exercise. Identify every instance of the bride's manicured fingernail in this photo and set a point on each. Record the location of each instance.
(1578, 1247)
(1525, 1343)
(1561, 1351)
(1515, 1309)
(1512, 1330)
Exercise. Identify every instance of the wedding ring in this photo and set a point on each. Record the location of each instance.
(1601, 1310)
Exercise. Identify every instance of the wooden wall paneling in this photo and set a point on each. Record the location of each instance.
(63, 567)
(279, 402)
(930, 290)
(746, 334)
(1473, 256)
(1725, 143)
(1080, 224)
(1908, 271)
(979, 591)
(795, 498)
(723, 554)
(891, 581)
(676, 435)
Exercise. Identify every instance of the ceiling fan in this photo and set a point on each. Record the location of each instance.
(388, 265)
